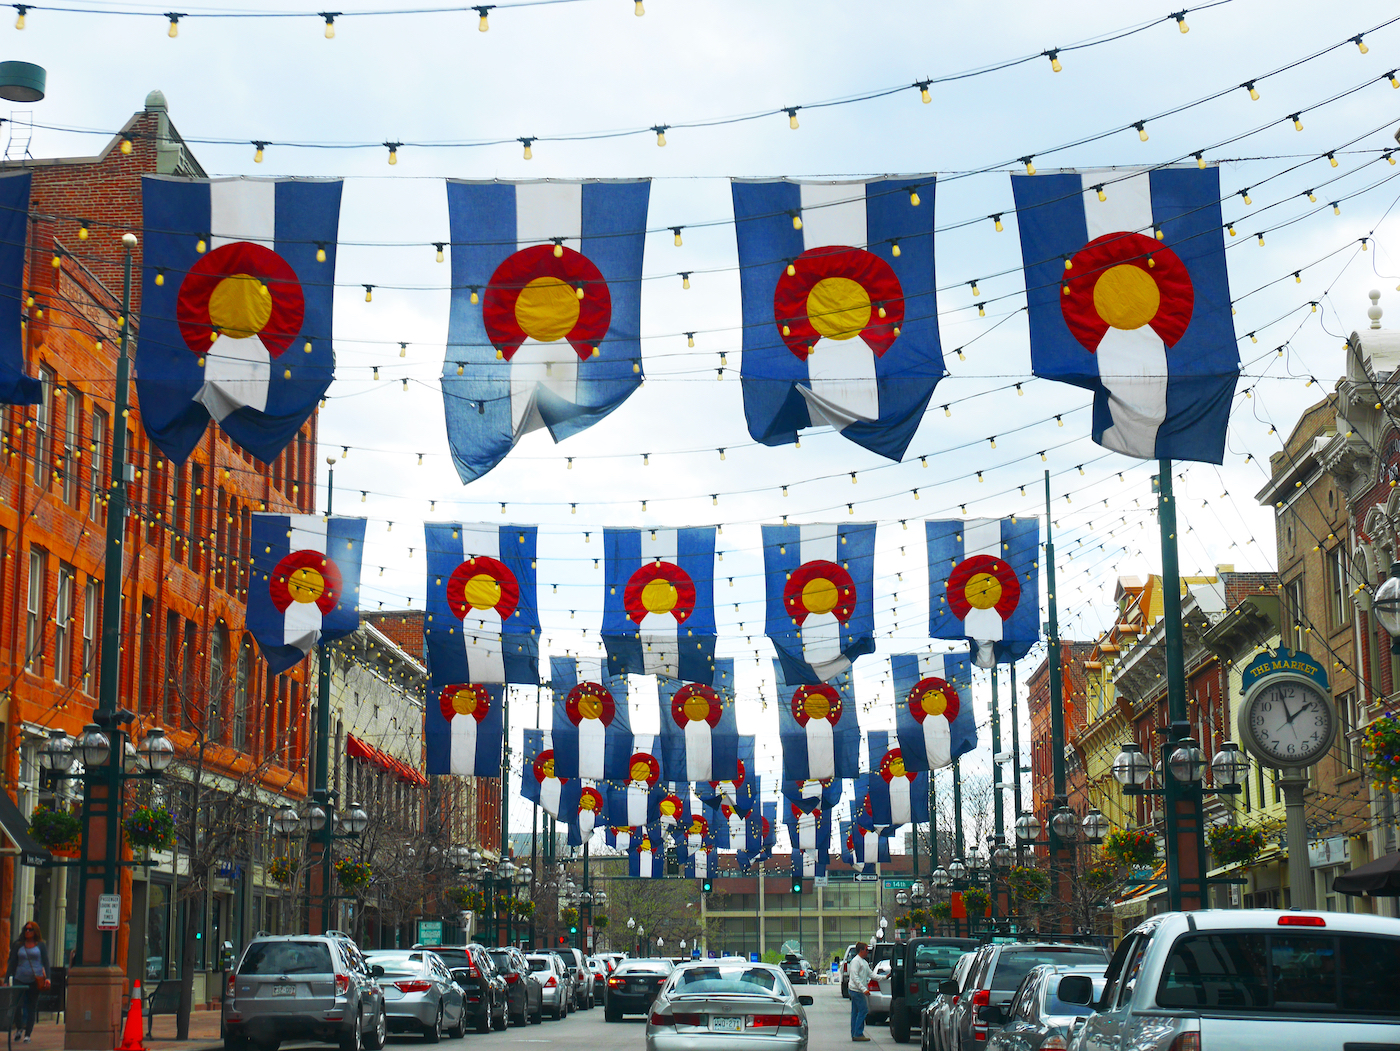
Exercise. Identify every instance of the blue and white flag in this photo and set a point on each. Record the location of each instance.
(623, 837)
(984, 585)
(585, 813)
(762, 831)
(818, 727)
(739, 791)
(699, 730)
(897, 795)
(538, 781)
(636, 799)
(700, 863)
(731, 827)
(820, 588)
(546, 310)
(863, 847)
(592, 726)
(808, 829)
(16, 386)
(933, 708)
(463, 729)
(840, 314)
(1129, 297)
(809, 863)
(647, 857)
(483, 620)
(811, 794)
(305, 587)
(659, 606)
(238, 279)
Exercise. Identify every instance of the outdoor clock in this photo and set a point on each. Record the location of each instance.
(1287, 718)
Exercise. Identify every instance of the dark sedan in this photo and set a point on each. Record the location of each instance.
(524, 993)
(483, 989)
(633, 986)
(798, 971)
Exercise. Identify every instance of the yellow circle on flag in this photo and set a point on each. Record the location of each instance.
(547, 309)
(548, 767)
(934, 702)
(659, 596)
(640, 771)
(240, 306)
(820, 595)
(1126, 296)
(587, 803)
(838, 307)
(816, 706)
(983, 591)
(590, 706)
(464, 702)
(482, 591)
(696, 708)
(306, 585)
(897, 766)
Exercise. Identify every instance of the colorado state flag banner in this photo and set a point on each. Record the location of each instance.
(809, 863)
(463, 730)
(585, 813)
(700, 862)
(808, 830)
(545, 320)
(739, 791)
(699, 731)
(984, 585)
(762, 831)
(636, 799)
(819, 581)
(592, 726)
(306, 583)
(863, 847)
(811, 794)
(818, 728)
(1129, 297)
(933, 708)
(897, 794)
(622, 837)
(538, 782)
(16, 388)
(483, 621)
(658, 611)
(238, 280)
(840, 319)
(647, 857)
(730, 827)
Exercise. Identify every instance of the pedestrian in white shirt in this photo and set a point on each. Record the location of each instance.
(858, 984)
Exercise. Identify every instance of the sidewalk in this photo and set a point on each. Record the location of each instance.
(204, 1035)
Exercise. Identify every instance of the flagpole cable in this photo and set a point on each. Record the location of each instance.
(321, 791)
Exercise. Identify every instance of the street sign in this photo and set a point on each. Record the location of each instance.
(429, 932)
(898, 884)
(866, 877)
(753, 957)
(819, 881)
(109, 912)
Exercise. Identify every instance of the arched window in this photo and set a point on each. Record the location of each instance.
(240, 695)
(218, 683)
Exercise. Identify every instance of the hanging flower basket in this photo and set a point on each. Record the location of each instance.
(280, 870)
(150, 827)
(465, 899)
(1382, 741)
(1134, 847)
(1232, 844)
(56, 829)
(353, 875)
(976, 901)
(599, 922)
(1028, 884)
(570, 916)
(1097, 878)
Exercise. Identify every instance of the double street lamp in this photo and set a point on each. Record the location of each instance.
(498, 887)
(323, 820)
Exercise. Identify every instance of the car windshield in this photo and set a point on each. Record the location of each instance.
(936, 961)
(308, 957)
(1013, 966)
(731, 979)
(643, 968)
(452, 957)
(501, 960)
(538, 963)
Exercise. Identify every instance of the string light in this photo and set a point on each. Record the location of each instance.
(1102, 196)
(258, 148)
(329, 16)
(914, 196)
(677, 231)
(685, 278)
(1141, 129)
(1245, 194)
(1333, 158)
(1248, 85)
(1336, 208)
(1054, 56)
(393, 151)
(690, 339)
(894, 249)
(1180, 17)
(660, 129)
(923, 86)
(1297, 121)
(1030, 168)
(174, 29)
(524, 141)
(23, 10)
(997, 220)
(792, 116)
(369, 293)
(439, 246)
(320, 252)
(1360, 44)
(796, 220)
(1200, 160)
(1394, 81)
(638, 8)
(482, 26)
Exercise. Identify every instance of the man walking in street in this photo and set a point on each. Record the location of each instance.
(858, 984)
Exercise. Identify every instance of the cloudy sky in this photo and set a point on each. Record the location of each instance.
(583, 69)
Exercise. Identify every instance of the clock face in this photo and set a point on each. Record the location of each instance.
(1289, 722)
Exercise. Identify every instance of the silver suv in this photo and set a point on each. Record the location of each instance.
(1246, 978)
(993, 978)
(303, 987)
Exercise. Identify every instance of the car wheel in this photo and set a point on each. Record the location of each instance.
(379, 1035)
(354, 1040)
(611, 1013)
(460, 1029)
(483, 1022)
(845, 990)
(558, 1011)
(505, 1016)
(899, 1022)
(237, 1042)
(433, 1034)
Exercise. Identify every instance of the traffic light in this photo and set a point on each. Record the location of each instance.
(707, 885)
(573, 929)
(563, 940)
(797, 886)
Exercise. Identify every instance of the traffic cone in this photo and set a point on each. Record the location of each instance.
(131, 1035)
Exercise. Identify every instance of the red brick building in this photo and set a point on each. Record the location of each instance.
(1073, 694)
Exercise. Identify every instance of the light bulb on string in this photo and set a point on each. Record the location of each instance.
(439, 246)
(1180, 17)
(923, 86)
(482, 24)
(996, 219)
(792, 116)
(660, 130)
(914, 197)
(19, 19)
(638, 8)
(685, 278)
(329, 16)
(1297, 119)
(1102, 196)
(894, 248)
(1333, 158)
(677, 231)
(526, 142)
(174, 29)
(1245, 195)
(1360, 44)
(1054, 56)
(1200, 160)
(690, 339)
(1248, 85)
(369, 293)
(796, 220)
(1336, 208)
(1141, 129)
(1030, 168)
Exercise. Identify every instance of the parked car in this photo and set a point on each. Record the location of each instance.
(1037, 1019)
(877, 996)
(304, 987)
(722, 1005)
(846, 959)
(1256, 978)
(524, 995)
(556, 987)
(918, 966)
(420, 995)
(995, 975)
(935, 1031)
(633, 986)
(483, 989)
(600, 970)
(798, 970)
(582, 975)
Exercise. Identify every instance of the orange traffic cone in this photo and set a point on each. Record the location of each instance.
(131, 1035)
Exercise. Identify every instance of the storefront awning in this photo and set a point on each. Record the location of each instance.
(367, 753)
(12, 821)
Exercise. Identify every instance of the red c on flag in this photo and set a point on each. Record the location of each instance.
(819, 586)
(892, 766)
(820, 701)
(240, 289)
(1126, 280)
(482, 582)
(933, 696)
(659, 587)
(695, 702)
(464, 699)
(589, 798)
(534, 294)
(983, 582)
(305, 576)
(543, 767)
(646, 765)
(589, 700)
(838, 293)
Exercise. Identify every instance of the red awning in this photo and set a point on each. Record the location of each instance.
(367, 753)
(357, 749)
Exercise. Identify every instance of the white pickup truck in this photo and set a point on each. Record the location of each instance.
(1244, 979)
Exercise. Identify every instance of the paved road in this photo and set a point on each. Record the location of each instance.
(828, 1021)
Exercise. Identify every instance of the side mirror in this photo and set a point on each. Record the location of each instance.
(947, 987)
(994, 1014)
(1077, 989)
(376, 971)
(805, 1001)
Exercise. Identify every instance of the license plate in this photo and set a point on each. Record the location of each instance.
(720, 1024)
(284, 990)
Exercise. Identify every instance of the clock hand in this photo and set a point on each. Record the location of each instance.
(1284, 702)
(1299, 712)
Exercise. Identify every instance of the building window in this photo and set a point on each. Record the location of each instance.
(34, 611)
(43, 427)
(1293, 609)
(63, 626)
(1348, 720)
(187, 652)
(1338, 586)
(146, 656)
(72, 454)
(92, 617)
(97, 508)
(240, 696)
(170, 700)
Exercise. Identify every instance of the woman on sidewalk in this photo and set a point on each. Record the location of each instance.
(29, 966)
